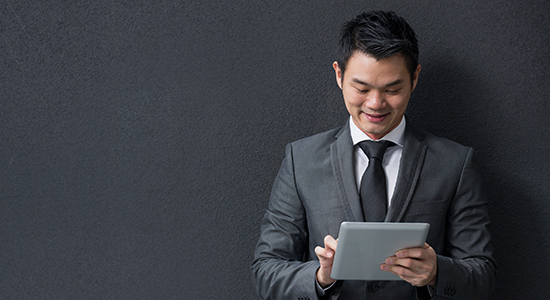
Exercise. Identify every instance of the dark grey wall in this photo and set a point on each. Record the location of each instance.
(139, 140)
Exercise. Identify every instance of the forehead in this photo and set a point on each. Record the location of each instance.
(365, 68)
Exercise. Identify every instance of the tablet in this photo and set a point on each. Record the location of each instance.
(364, 246)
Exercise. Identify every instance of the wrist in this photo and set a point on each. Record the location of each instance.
(324, 281)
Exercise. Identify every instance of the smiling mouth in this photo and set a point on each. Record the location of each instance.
(376, 117)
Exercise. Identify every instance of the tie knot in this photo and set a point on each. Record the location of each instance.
(375, 149)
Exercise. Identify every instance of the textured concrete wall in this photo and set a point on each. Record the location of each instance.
(139, 139)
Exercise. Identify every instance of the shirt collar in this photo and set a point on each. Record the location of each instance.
(396, 135)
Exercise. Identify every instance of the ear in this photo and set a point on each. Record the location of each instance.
(338, 73)
(415, 77)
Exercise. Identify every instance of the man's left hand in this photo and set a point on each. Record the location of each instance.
(417, 266)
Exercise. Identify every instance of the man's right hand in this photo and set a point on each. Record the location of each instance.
(326, 258)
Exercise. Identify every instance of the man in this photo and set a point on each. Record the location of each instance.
(322, 183)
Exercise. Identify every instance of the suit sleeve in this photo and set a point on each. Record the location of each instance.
(467, 270)
(281, 268)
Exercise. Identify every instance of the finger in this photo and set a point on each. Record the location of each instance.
(405, 274)
(323, 254)
(326, 259)
(417, 253)
(326, 255)
(397, 270)
(414, 252)
(404, 262)
(330, 243)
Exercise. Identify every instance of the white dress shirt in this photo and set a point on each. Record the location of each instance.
(392, 158)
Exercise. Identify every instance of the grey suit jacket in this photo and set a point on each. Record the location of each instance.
(315, 191)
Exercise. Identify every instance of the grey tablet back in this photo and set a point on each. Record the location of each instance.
(363, 247)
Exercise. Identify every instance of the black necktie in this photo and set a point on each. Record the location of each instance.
(373, 183)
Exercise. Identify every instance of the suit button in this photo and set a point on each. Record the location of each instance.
(449, 291)
(373, 287)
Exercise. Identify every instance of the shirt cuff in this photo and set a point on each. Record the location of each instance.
(322, 291)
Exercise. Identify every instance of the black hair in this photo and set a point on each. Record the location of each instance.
(378, 34)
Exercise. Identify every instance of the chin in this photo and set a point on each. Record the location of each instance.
(375, 130)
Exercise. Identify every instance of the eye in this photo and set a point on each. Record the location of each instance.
(393, 91)
(362, 91)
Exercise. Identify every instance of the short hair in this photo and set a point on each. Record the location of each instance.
(378, 34)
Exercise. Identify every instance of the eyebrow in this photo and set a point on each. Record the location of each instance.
(396, 82)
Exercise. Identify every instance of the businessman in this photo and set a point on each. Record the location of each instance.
(376, 168)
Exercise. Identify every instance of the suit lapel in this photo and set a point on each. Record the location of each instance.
(341, 152)
(414, 152)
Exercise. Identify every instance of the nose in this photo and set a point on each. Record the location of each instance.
(374, 100)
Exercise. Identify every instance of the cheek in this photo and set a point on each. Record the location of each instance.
(353, 100)
(400, 104)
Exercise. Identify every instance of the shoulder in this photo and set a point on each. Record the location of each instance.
(440, 147)
(316, 148)
(443, 143)
(318, 141)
